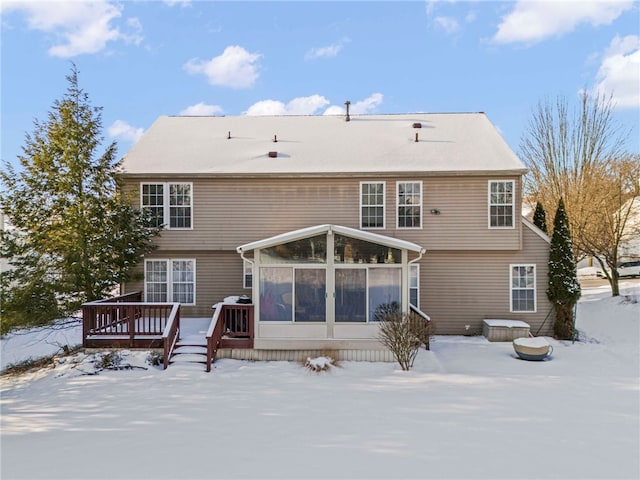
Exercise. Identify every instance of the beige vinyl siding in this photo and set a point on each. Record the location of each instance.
(463, 288)
(228, 212)
(218, 275)
(456, 288)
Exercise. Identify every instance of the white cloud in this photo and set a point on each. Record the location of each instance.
(334, 110)
(297, 106)
(235, 68)
(202, 109)
(122, 130)
(619, 73)
(326, 52)
(77, 27)
(173, 3)
(533, 21)
(368, 105)
(448, 24)
(136, 37)
(470, 17)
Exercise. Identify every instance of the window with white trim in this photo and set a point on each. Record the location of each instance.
(501, 203)
(372, 204)
(414, 285)
(170, 203)
(409, 203)
(247, 275)
(523, 288)
(170, 280)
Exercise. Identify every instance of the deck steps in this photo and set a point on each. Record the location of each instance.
(188, 358)
(190, 350)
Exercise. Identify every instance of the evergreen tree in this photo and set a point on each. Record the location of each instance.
(564, 289)
(540, 218)
(75, 236)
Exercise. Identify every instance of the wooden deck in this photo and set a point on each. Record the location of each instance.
(128, 322)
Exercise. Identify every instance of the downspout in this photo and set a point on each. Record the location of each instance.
(422, 252)
(241, 252)
(253, 287)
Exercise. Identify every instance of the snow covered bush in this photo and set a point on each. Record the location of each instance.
(323, 363)
(117, 360)
(155, 359)
(108, 361)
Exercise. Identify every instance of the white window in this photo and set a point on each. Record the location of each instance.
(170, 203)
(414, 285)
(372, 204)
(409, 202)
(501, 204)
(170, 280)
(523, 288)
(247, 276)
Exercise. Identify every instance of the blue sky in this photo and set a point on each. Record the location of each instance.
(142, 59)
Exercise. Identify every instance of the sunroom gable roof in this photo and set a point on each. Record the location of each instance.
(326, 228)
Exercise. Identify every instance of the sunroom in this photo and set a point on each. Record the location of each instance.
(327, 286)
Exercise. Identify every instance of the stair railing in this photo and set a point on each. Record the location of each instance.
(171, 334)
(214, 335)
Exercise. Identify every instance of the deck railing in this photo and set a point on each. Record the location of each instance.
(214, 336)
(426, 328)
(234, 321)
(125, 297)
(171, 335)
(125, 320)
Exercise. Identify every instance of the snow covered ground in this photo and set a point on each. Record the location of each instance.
(468, 409)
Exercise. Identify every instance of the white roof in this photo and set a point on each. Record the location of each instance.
(319, 229)
(319, 145)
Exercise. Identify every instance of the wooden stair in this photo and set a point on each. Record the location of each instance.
(189, 350)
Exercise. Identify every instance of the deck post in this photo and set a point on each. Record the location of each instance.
(131, 314)
(86, 316)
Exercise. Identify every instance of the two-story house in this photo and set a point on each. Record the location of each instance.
(324, 221)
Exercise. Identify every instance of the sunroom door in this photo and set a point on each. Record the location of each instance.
(367, 294)
(310, 294)
(351, 295)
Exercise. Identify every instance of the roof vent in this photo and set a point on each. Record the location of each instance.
(229, 136)
(275, 138)
(417, 137)
(273, 154)
(417, 125)
(347, 118)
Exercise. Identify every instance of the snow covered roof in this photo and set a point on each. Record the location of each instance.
(320, 229)
(449, 143)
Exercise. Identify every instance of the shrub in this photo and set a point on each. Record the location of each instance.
(319, 364)
(108, 361)
(403, 334)
(29, 365)
(155, 359)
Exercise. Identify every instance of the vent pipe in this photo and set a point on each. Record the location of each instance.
(417, 137)
(275, 139)
(229, 136)
(347, 118)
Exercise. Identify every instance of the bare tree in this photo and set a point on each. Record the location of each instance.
(616, 195)
(571, 156)
(403, 334)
